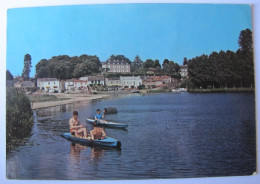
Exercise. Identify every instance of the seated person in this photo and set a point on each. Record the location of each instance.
(99, 116)
(98, 132)
(76, 128)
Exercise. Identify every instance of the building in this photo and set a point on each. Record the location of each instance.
(28, 84)
(150, 71)
(114, 82)
(116, 66)
(96, 80)
(157, 81)
(183, 70)
(69, 85)
(48, 84)
(24, 84)
(131, 81)
(80, 84)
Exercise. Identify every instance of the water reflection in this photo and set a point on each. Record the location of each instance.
(75, 150)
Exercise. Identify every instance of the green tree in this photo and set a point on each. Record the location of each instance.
(119, 58)
(245, 40)
(136, 64)
(27, 66)
(19, 117)
(156, 64)
(149, 63)
(166, 61)
(42, 69)
(185, 61)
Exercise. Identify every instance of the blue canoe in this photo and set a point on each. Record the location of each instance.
(108, 123)
(108, 142)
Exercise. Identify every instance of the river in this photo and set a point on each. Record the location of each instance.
(170, 135)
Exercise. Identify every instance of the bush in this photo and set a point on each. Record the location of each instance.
(19, 117)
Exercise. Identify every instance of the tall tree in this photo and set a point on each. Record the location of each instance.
(136, 64)
(245, 40)
(27, 66)
(185, 61)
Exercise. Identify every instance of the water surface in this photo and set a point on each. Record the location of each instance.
(169, 136)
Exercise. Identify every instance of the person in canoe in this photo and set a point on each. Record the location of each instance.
(97, 132)
(99, 116)
(76, 128)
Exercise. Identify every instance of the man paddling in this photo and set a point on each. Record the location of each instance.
(97, 132)
(99, 116)
(76, 128)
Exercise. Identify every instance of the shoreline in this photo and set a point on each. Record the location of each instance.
(222, 90)
(71, 98)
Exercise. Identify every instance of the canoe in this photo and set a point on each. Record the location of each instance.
(108, 141)
(108, 123)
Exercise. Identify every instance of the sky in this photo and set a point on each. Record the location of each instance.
(152, 31)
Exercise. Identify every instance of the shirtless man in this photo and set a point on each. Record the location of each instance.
(98, 132)
(76, 128)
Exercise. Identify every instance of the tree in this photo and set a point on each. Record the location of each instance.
(27, 67)
(185, 61)
(149, 63)
(166, 61)
(245, 40)
(136, 64)
(119, 58)
(9, 76)
(156, 64)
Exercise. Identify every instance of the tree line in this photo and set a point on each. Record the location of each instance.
(65, 67)
(224, 69)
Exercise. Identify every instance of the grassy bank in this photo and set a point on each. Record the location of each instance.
(221, 90)
(44, 98)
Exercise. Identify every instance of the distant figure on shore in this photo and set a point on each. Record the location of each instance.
(76, 128)
(98, 132)
(99, 116)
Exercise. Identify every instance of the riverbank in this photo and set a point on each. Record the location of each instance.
(222, 90)
(56, 99)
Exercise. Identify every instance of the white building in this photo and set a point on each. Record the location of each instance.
(131, 81)
(69, 85)
(94, 80)
(74, 85)
(113, 82)
(48, 84)
(183, 71)
(116, 66)
(80, 84)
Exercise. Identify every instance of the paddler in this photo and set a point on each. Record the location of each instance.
(76, 128)
(97, 132)
(99, 116)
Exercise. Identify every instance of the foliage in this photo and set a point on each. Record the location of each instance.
(224, 69)
(65, 67)
(19, 117)
(119, 58)
(245, 40)
(185, 61)
(137, 64)
(27, 66)
(9, 76)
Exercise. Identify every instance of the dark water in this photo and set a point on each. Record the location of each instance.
(169, 136)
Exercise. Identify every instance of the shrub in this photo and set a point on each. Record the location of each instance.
(19, 117)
